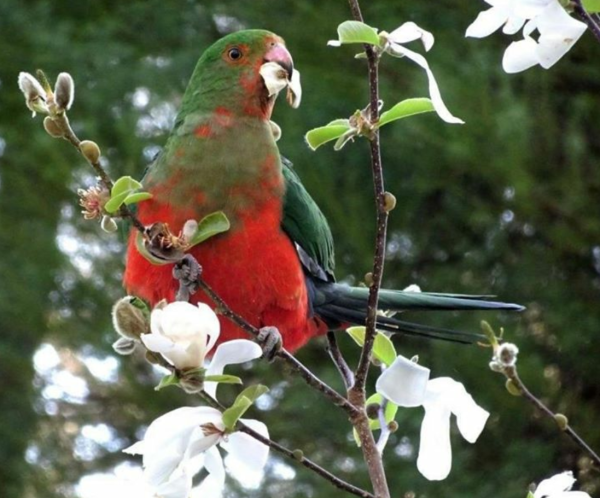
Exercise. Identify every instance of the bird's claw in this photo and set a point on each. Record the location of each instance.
(270, 341)
(187, 271)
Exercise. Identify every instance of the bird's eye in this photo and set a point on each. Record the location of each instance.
(234, 54)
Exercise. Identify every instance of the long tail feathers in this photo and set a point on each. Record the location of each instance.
(342, 304)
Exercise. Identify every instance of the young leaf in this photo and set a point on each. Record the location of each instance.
(254, 392)
(137, 197)
(355, 32)
(390, 410)
(383, 348)
(115, 202)
(408, 107)
(210, 226)
(124, 184)
(167, 380)
(223, 379)
(592, 6)
(319, 136)
(235, 412)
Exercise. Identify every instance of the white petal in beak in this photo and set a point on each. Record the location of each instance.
(294, 93)
(276, 79)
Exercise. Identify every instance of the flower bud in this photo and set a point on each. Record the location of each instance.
(52, 128)
(108, 224)
(389, 201)
(189, 229)
(507, 354)
(298, 455)
(35, 95)
(90, 151)
(368, 279)
(512, 388)
(128, 319)
(124, 346)
(192, 381)
(393, 426)
(373, 411)
(64, 91)
(562, 421)
(152, 358)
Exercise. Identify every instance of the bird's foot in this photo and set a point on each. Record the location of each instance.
(270, 341)
(187, 271)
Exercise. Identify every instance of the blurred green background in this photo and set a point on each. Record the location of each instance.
(506, 204)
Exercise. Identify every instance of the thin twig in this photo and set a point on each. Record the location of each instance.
(356, 394)
(384, 435)
(512, 374)
(296, 455)
(588, 18)
(339, 361)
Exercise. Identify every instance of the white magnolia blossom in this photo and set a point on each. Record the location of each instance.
(180, 443)
(558, 486)
(409, 32)
(183, 333)
(407, 384)
(558, 31)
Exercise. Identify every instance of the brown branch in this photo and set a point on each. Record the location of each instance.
(295, 455)
(336, 356)
(587, 18)
(511, 373)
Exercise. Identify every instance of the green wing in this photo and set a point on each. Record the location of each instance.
(306, 225)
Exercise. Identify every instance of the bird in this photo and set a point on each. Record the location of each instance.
(275, 265)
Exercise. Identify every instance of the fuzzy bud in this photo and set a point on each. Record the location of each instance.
(368, 279)
(64, 91)
(512, 388)
(562, 421)
(298, 455)
(90, 151)
(35, 95)
(124, 346)
(506, 354)
(129, 320)
(108, 224)
(389, 201)
(52, 128)
(373, 410)
(393, 426)
(192, 381)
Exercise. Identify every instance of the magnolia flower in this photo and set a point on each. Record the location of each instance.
(183, 333)
(558, 31)
(407, 384)
(558, 486)
(180, 443)
(393, 45)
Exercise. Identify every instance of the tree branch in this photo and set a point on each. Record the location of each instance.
(295, 455)
(339, 361)
(511, 373)
(587, 18)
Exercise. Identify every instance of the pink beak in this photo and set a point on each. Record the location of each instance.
(280, 55)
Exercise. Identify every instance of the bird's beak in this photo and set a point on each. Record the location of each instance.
(278, 73)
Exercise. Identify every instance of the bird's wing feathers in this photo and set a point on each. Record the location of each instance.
(306, 225)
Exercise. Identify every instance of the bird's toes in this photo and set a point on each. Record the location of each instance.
(271, 342)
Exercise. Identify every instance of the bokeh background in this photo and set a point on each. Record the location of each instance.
(506, 204)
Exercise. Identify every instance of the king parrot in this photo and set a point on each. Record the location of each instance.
(275, 265)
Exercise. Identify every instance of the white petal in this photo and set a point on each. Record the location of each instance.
(434, 91)
(247, 451)
(514, 24)
(211, 323)
(274, 76)
(157, 343)
(295, 90)
(334, 43)
(530, 9)
(408, 32)
(555, 484)
(404, 382)
(199, 443)
(155, 321)
(558, 33)
(519, 56)
(435, 453)
(215, 480)
(230, 353)
(178, 486)
(135, 449)
(470, 417)
(487, 22)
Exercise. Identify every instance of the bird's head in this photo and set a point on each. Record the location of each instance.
(243, 72)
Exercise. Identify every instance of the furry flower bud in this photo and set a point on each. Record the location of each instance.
(130, 320)
(64, 91)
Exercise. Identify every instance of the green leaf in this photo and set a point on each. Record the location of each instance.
(113, 205)
(124, 184)
(210, 226)
(137, 197)
(254, 392)
(383, 348)
(592, 6)
(139, 245)
(357, 32)
(223, 379)
(319, 136)
(408, 107)
(235, 412)
(166, 381)
(356, 438)
(390, 410)
(530, 495)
